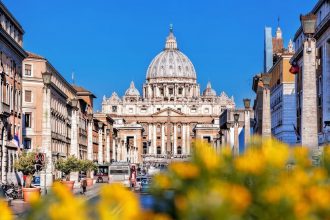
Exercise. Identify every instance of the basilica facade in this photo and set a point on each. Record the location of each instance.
(161, 124)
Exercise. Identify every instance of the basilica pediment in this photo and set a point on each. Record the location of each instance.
(168, 112)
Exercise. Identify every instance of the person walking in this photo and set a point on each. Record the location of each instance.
(83, 184)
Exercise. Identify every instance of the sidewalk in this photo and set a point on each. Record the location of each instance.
(19, 207)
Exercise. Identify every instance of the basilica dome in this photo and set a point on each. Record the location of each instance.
(209, 91)
(132, 91)
(171, 62)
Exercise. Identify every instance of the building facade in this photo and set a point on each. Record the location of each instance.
(11, 57)
(55, 115)
(283, 99)
(171, 112)
(322, 81)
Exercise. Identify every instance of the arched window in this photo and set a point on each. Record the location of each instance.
(179, 129)
(159, 150)
(179, 150)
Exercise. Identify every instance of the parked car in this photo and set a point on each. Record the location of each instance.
(139, 179)
(145, 185)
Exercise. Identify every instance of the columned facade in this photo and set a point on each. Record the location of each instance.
(160, 125)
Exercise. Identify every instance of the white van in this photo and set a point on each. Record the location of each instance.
(119, 172)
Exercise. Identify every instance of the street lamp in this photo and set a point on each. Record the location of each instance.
(236, 118)
(266, 80)
(47, 77)
(309, 133)
(90, 117)
(247, 103)
(308, 23)
(74, 102)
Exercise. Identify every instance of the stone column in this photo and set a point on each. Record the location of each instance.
(236, 150)
(309, 137)
(100, 147)
(154, 143)
(74, 148)
(246, 127)
(90, 138)
(107, 153)
(184, 134)
(114, 150)
(174, 140)
(150, 139)
(163, 139)
(266, 115)
(46, 176)
(188, 139)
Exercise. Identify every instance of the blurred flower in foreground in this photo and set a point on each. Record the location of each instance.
(117, 202)
(5, 213)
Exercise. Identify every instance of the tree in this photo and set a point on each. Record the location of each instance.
(27, 165)
(67, 165)
(87, 166)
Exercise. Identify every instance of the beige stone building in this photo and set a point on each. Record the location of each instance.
(11, 57)
(55, 114)
(162, 123)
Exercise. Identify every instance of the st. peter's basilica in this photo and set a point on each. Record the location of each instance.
(170, 114)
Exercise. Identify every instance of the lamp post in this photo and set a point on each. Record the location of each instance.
(247, 125)
(100, 148)
(47, 173)
(309, 135)
(107, 155)
(236, 118)
(266, 115)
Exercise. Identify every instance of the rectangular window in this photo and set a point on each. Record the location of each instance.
(28, 96)
(158, 109)
(180, 91)
(27, 143)
(27, 119)
(130, 110)
(28, 69)
(193, 110)
(114, 108)
(170, 91)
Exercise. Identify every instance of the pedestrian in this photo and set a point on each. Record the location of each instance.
(83, 184)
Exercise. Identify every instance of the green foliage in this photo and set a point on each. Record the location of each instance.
(67, 165)
(86, 165)
(26, 163)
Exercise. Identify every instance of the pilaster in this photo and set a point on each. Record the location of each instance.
(309, 136)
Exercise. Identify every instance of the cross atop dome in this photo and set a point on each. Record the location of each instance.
(171, 43)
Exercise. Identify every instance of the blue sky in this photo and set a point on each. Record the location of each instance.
(108, 43)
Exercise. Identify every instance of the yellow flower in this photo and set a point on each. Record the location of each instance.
(301, 155)
(207, 155)
(185, 170)
(240, 197)
(66, 206)
(117, 202)
(276, 153)
(5, 212)
(180, 203)
(162, 181)
(272, 194)
(320, 196)
(252, 162)
(301, 209)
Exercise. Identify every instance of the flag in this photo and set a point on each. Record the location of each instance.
(16, 140)
(296, 131)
